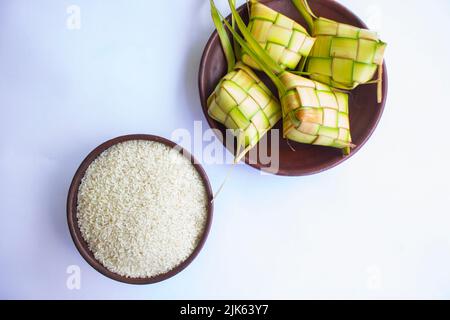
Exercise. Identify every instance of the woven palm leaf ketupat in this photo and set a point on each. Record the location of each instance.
(241, 101)
(313, 113)
(286, 41)
(343, 56)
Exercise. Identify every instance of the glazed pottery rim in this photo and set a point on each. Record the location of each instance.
(320, 168)
(80, 242)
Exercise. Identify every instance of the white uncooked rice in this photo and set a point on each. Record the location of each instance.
(142, 208)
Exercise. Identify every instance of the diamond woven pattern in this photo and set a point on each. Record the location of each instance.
(242, 101)
(315, 114)
(286, 41)
(344, 56)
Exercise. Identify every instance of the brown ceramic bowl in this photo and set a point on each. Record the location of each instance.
(365, 112)
(78, 239)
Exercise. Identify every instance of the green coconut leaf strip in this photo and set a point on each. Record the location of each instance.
(306, 12)
(301, 73)
(302, 65)
(241, 151)
(347, 150)
(237, 47)
(223, 36)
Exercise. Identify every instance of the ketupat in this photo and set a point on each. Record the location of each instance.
(312, 112)
(343, 56)
(241, 101)
(286, 41)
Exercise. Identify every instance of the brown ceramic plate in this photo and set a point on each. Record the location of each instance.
(78, 239)
(365, 112)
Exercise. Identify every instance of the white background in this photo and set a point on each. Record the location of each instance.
(377, 226)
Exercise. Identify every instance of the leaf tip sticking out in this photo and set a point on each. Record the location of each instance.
(380, 84)
(305, 10)
(223, 36)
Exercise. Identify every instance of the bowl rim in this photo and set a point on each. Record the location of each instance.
(72, 200)
(319, 168)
